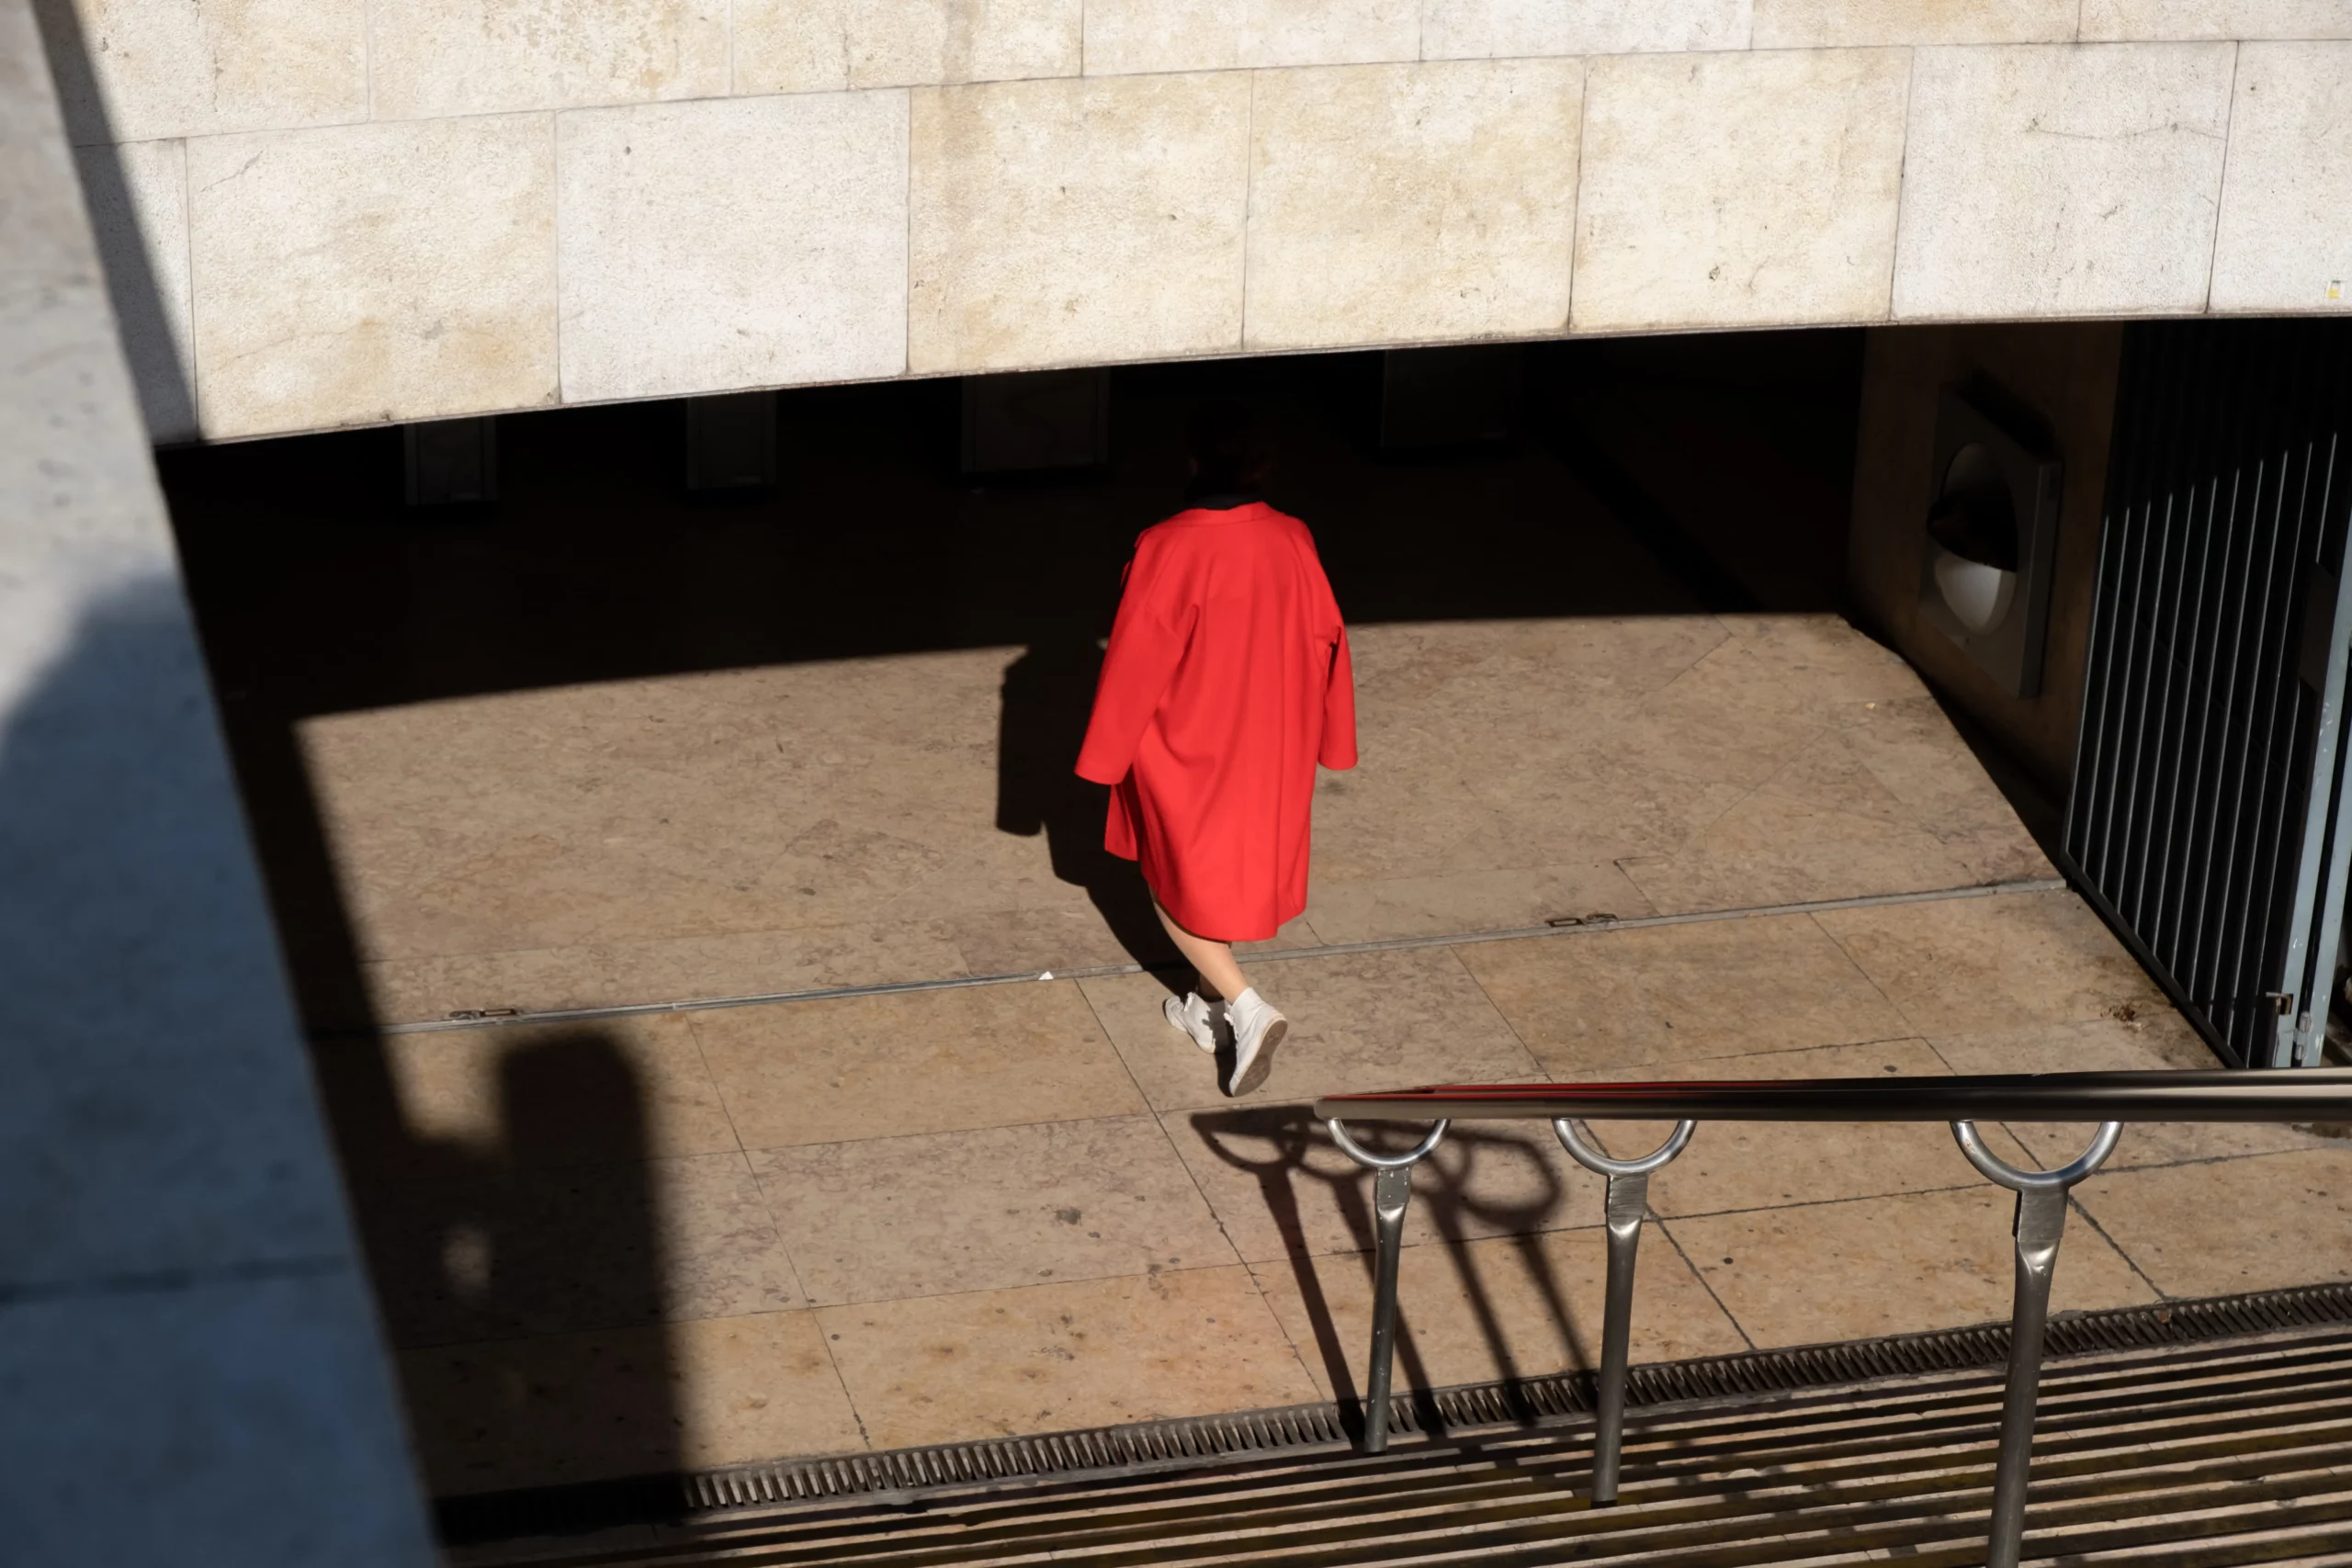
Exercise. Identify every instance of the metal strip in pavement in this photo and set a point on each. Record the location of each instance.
(499, 1018)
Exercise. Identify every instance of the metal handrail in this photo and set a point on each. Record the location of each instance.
(2110, 1099)
(2299, 1094)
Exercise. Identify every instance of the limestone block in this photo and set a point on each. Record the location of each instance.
(139, 71)
(2192, 19)
(375, 272)
(1127, 35)
(2062, 181)
(804, 46)
(1077, 221)
(2286, 229)
(1834, 24)
(738, 242)
(1726, 190)
(445, 57)
(137, 196)
(1394, 203)
(1482, 29)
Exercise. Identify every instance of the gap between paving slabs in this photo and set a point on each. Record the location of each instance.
(504, 1018)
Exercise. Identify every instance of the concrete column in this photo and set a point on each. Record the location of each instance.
(191, 1372)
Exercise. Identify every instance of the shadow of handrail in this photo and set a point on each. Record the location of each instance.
(1290, 1141)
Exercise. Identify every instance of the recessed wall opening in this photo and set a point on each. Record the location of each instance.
(670, 817)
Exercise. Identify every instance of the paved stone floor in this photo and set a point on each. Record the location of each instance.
(608, 745)
(610, 1245)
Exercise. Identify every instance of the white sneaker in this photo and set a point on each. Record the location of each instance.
(1194, 1017)
(1257, 1030)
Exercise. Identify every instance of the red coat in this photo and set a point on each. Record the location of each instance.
(1227, 682)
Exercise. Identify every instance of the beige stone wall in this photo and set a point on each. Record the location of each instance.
(345, 211)
(2067, 376)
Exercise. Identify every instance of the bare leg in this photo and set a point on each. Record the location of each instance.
(1221, 977)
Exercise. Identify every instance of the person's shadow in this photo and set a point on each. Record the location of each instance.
(1048, 692)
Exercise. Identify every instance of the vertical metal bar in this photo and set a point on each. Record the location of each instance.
(2180, 781)
(2271, 905)
(2273, 686)
(1392, 1190)
(2227, 757)
(2151, 710)
(2302, 904)
(2156, 744)
(2130, 566)
(2320, 884)
(2156, 502)
(2097, 661)
(2233, 972)
(2090, 786)
(2235, 516)
(2041, 1222)
(2131, 727)
(2269, 913)
(1628, 1200)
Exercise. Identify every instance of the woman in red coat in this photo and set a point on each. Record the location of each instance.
(1227, 682)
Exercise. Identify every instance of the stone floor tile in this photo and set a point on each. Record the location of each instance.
(1048, 1357)
(1396, 819)
(1357, 1021)
(1470, 901)
(1556, 811)
(621, 973)
(1904, 1264)
(988, 1209)
(758, 799)
(610, 1089)
(1999, 855)
(1770, 849)
(1016, 941)
(1959, 965)
(1755, 1165)
(1730, 718)
(2215, 1229)
(1509, 1307)
(508, 1251)
(1520, 669)
(1825, 658)
(1830, 774)
(566, 1408)
(853, 1067)
(1280, 1187)
(1659, 994)
(2151, 1040)
(1914, 754)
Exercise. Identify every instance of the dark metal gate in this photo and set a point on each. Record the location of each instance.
(2207, 815)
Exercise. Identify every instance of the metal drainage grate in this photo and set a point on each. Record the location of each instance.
(1153, 1445)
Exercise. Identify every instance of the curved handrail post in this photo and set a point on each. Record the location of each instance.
(2040, 1222)
(1628, 1200)
(1392, 1190)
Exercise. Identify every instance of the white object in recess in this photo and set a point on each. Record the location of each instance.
(1978, 594)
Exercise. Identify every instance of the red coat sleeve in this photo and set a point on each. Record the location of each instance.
(1339, 710)
(1147, 641)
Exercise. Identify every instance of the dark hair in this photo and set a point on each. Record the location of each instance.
(1230, 447)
